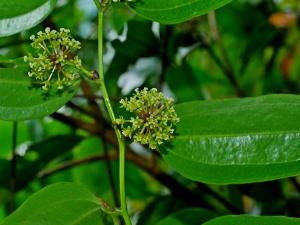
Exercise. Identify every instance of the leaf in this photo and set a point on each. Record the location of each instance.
(22, 15)
(159, 208)
(174, 11)
(183, 83)
(190, 216)
(237, 141)
(59, 204)
(20, 100)
(81, 174)
(250, 220)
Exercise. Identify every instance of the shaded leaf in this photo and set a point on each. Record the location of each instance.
(250, 220)
(190, 216)
(183, 83)
(20, 100)
(160, 208)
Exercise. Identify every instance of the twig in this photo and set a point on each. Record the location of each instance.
(164, 54)
(76, 123)
(229, 71)
(94, 97)
(72, 163)
(97, 129)
(13, 171)
(220, 198)
(82, 110)
(295, 183)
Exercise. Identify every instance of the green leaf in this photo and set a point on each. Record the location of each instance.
(16, 16)
(20, 100)
(190, 216)
(250, 220)
(174, 11)
(237, 141)
(183, 83)
(159, 208)
(59, 204)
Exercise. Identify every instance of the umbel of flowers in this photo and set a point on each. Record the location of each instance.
(153, 120)
(55, 62)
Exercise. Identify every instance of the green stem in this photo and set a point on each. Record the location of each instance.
(6, 61)
(113, 214)
(115, 220)
(98, 5)
(86, 73)
(121, 143)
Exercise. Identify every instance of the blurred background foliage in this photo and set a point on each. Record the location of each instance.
(248, 48)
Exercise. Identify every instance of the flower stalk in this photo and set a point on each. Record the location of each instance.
(124, 210)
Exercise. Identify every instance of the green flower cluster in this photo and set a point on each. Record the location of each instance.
(154, 118)
(55, 61)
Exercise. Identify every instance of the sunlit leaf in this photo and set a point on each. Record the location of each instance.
(237, 141)
(16, 16)
(174, 11)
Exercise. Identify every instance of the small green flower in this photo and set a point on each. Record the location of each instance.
(154, 118)
(55, 63)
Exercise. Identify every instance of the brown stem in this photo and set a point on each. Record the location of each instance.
(294, 181)
(95, 97)
(164, 55)
(97, 129)
(82, 110)
(72, 163)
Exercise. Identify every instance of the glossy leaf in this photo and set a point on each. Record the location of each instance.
(16, 16)
(59, 204)
(20, 100)
(237, 141)
(174, 11)
(190, 216)
(250, 220)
